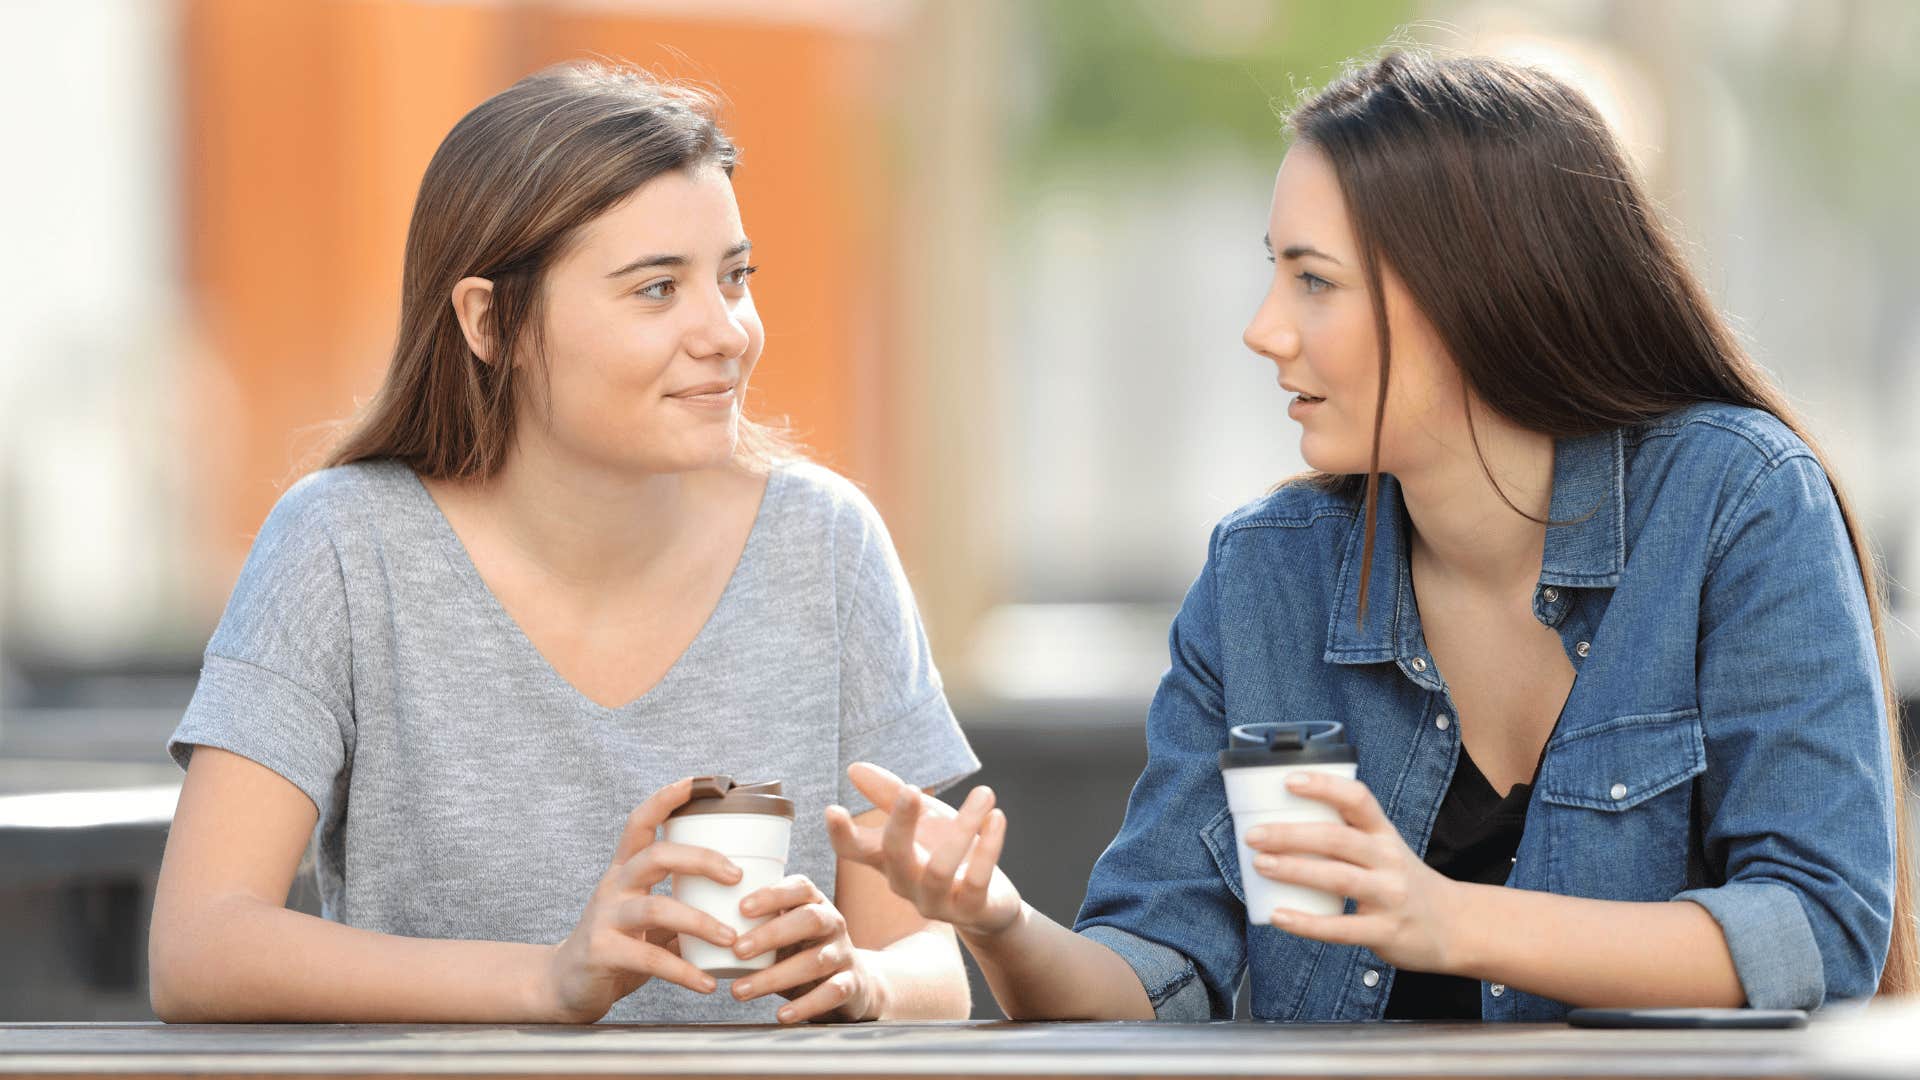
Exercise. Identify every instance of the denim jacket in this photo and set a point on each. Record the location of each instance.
(1725, 741)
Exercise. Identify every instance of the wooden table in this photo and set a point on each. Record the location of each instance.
(961, 1048)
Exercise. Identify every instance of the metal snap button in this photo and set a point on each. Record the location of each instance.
(1618, 791)
(1583, 648)
(1550, 595)
(1420, 663)
(1497, 989)
(1441, 721)
(1371, 978)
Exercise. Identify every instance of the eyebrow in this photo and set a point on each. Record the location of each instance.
(646, 261)
(1299, 251)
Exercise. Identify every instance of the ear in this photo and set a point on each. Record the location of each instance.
(472, 299)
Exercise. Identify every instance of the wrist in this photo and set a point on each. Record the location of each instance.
(1462, 946)
(879, 986)
(538, 1001)
(979, 941)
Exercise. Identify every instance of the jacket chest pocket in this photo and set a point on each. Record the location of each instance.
(1619, 805)
(1280, 965)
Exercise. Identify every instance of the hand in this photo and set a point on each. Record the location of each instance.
(1402, 905)
(942, 862)
(627, 935)
(816, 966)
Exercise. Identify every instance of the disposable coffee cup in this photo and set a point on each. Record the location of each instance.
(750, 824)
(1255, 766)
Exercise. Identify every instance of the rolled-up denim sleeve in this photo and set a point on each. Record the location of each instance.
(1156, 897)
(1797, 800)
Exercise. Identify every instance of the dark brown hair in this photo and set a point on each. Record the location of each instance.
(506, 193)
(1580, 315)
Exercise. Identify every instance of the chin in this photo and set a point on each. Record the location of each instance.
(1338, 460)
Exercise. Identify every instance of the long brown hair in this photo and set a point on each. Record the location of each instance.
(507, 191)
(1579, 316)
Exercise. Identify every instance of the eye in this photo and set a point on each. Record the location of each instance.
(1314, 282)
(659, 290)
(738, 277)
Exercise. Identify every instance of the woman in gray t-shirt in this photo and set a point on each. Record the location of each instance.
(551, 574)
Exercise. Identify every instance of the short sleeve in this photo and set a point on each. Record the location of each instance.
(893, 709)
(275, 681)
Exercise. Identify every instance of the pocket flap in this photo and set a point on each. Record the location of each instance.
(1620, 763)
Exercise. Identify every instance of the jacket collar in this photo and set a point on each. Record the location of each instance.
(1588, 551)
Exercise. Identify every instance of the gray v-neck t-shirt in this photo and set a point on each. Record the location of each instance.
(466, 790)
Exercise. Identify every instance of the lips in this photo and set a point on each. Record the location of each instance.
(704, 390)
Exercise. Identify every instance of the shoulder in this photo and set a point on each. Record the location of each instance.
(1715, 433)
(806, 497)
(337, 500)
(1727, 464)
(1298, 515)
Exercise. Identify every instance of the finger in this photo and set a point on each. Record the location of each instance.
(655, 861)
(877, 784)
(819, 1001)
(985, 856)
(648, 816)
(1364, 930)
(1351, 798)
(944, 861)
(855, 843)
(1334, 840)
(802, 925)
(632, 954)
(802, 969)
(896, 842)
(639, 914)
(783, 895)
(1314, 872)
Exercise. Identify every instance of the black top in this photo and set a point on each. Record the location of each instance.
(1474, 839)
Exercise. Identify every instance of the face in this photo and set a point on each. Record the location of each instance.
(650, 331)
(1316, 325)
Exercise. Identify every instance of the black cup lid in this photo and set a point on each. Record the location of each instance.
(1309, 742)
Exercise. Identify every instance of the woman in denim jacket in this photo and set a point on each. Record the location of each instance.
(1575, 560)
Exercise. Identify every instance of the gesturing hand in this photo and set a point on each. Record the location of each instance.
(943, 862)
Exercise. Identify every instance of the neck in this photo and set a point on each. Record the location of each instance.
(1462, 528)
(586, 524)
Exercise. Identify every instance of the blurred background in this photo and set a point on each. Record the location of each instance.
(1009, 249)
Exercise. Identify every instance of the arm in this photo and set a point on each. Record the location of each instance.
(224, 948)
(1594, 952)
(1571, 949)
(914, 959)
(945, 866)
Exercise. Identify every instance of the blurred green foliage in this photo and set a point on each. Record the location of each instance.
(1136, 80)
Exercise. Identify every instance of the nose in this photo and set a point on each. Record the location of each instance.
(1272, 333)
(716, 331)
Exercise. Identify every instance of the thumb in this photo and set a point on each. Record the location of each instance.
(648, 816)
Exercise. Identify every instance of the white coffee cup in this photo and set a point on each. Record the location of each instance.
(1255, 767)
(751, 825)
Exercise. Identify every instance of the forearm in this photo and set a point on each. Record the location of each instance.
(924, 977)
(1594, 952)
(1040, 970)
(248, 961)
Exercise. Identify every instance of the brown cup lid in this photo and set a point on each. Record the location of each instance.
(720, 795)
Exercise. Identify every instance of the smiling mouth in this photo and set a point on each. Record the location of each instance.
(1308, 399)
(709, 392)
